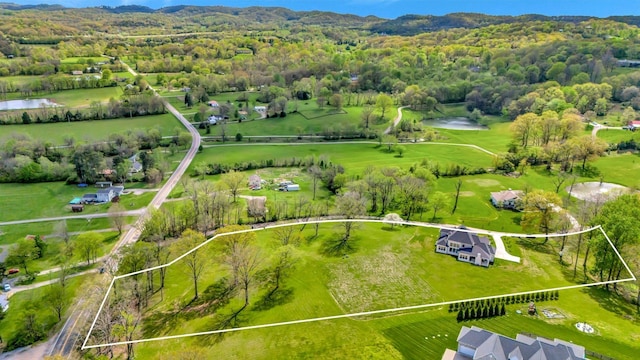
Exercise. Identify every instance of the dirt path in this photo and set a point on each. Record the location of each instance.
(396, 120)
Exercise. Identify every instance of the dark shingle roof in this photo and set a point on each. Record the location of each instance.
(489, 345)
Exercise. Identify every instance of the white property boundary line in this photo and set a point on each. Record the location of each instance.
(342, 316)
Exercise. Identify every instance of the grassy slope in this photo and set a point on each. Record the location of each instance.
(92, 130)
(394, 268)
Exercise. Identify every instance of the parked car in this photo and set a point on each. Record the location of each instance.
(13, 271)
(7, 287)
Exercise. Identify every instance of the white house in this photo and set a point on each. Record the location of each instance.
(508, 199)
(214, 104)
(466, 246)
(213, 119)
(105, 195)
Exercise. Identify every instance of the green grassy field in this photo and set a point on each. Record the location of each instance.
(389, 268)
(621, 169)
(11, 233)
(31, 201)
(355, 157)
(91, 131)
(613, 136)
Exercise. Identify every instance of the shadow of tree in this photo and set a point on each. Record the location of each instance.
(612, 302)
(336, 248)
(271, 300)
(220, 321)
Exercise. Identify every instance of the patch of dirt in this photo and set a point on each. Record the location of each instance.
(467, 193)
(485, 182)
(592, 191)
(380, 281)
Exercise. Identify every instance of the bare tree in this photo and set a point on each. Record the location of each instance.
(256, 207)
(316, 174)
(560, 178)
(196, 260)
(285, 234)
(117, 217)
(63, 231)
(351, 204)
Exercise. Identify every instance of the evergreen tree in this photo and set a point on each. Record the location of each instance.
(460, 316)
(503, 310)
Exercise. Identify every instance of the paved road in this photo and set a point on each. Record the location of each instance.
(69, 336)
(396, 120)
(67, 217)
(17, 289)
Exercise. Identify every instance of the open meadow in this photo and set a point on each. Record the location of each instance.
(384, 268)
(93, 130)
(355, 157)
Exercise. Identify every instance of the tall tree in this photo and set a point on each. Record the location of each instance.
(233, 180)
(540, 209)
(619, 219)
(384, 103)
(316, 174)
(196, 260)
(351, 204)
(117, 217)
(22, 253)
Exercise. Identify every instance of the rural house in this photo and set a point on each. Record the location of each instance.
(466, 246)
(508, 199)
(213, 104)
(89, 198)
(105, 195)
(477, 343)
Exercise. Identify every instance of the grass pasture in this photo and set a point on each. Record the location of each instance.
(94, 130)
(387, 268)
(355, 157)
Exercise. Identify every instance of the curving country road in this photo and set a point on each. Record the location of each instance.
(65, 342)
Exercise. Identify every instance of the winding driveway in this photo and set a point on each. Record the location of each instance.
(396, 120)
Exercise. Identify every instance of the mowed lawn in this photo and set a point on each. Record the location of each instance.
(355, 157)
(621, 169)
(389, 268)
(41, 200)
(93, 130)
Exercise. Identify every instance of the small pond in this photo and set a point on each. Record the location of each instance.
(454, 123)
(25, 104)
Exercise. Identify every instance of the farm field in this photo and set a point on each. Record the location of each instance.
(307, 122)
(387, 268)
(355, 157)
(90, 131)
